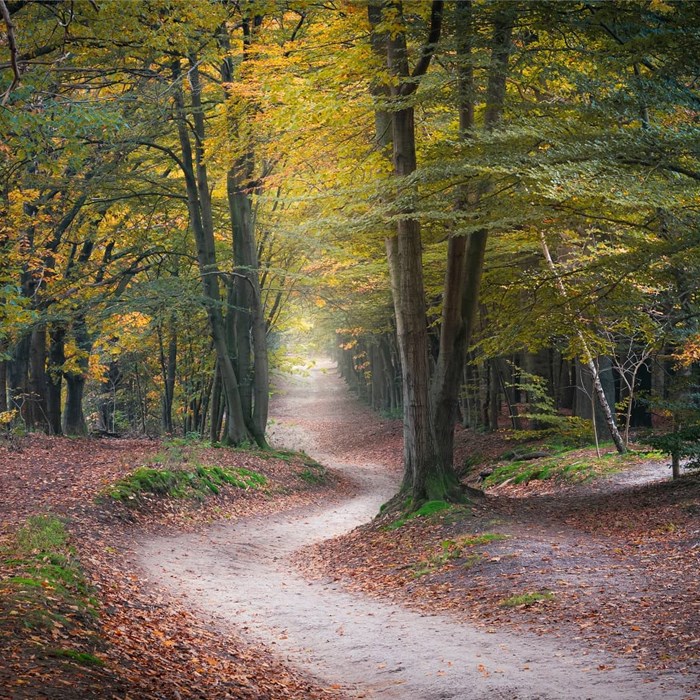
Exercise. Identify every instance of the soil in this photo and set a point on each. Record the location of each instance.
(349, 608)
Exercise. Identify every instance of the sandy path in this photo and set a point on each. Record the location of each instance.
(240, 575)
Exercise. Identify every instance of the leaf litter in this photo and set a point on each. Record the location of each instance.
(612, 564)
(144, 644)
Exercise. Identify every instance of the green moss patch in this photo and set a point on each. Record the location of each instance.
(573, 466)
(524, 600)
(314, 474)
(429, 510)
(46, 595)
(83, 658)
(452, 550)
(199, 482)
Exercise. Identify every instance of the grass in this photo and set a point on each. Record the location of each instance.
(199, 482)
(571, 466)
(452, 550)
(525, 599)
(314, 474)
(289, 456)
(428, 510)
(83, 658)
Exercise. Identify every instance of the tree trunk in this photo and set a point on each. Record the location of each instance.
(587, 358)
(169, 370)
(426, 476)
(38, 409)
(73, 416)
(18, 376)
(251, 328)
(217, 409)
(199, 208)
(465, 254)
(57, 357)
(3, 383)
(251, 331)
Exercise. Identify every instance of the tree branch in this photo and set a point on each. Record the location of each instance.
(13, 51)
(428, 50)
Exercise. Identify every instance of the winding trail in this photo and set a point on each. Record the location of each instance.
(240, 576)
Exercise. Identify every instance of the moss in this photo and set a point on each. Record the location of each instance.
(427, 510)
(430, 508)
(483, 538)
(525, 599)
(567, 466)
(314, 474)
(42, 533)
(452, 550)
(81, 657)
(47, 576)
(443, 487)
(182, 483)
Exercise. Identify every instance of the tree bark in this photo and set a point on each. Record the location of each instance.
(73, 416)
(168, 363)
(3, 382)
(38, 408)
(426, 476)
(18, 376)
(465, 253)
(217, 413)
(250, 325)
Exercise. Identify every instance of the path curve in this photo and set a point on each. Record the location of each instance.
(240, 576)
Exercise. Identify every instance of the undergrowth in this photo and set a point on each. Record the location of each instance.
(428, 510)
(567, 466)
(313, 473)
(526, 599)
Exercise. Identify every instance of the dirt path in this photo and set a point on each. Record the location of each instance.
(241, 575)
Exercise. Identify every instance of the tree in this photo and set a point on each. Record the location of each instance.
(430, 405)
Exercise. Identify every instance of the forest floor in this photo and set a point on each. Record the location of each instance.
(544, 590)
(79, 620)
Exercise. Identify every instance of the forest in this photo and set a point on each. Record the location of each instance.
(510, 189)
(484, 212)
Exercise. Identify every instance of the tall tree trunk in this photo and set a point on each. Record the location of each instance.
(18, 376)
(199, 208)
(3, 379)
(217, 409)
(465, 253)
(73, 416)
(38, 409)
(426, 477)
(168, 363)
(251, 329)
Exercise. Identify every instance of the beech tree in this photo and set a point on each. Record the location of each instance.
(430, 402)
